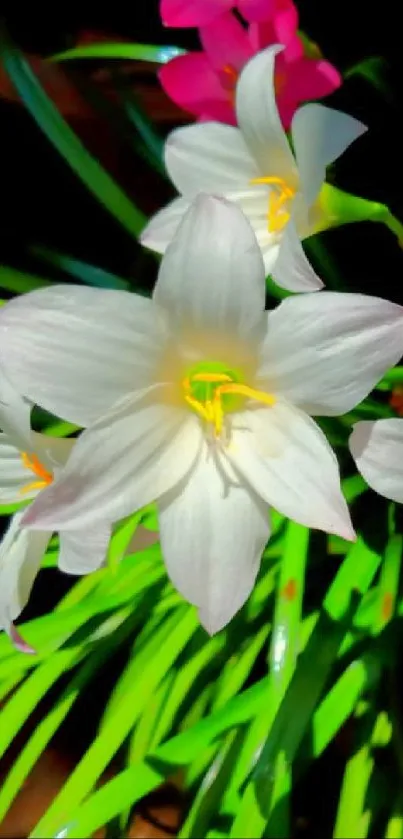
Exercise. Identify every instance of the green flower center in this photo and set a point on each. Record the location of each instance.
(213, 389)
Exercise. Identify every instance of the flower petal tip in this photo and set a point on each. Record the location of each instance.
(346, 531)
(19, 643)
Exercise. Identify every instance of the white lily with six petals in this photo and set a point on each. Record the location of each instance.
(377, 448)
(29, 462)
(253, 165)
(200, 400)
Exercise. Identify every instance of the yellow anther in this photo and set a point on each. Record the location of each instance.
(249, 392)
(32, 462)
(211, 410)
(199, 407)
(277, 217)
(212, 378)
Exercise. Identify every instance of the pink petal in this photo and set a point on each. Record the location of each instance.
(257, 9)
(219, 112)
(191, 83)
(310, 78)
(226, 44)
(281, 28)
(19, 642)
(192, 12)
(286, 109)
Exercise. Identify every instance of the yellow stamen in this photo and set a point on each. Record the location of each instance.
(277, 217)
(211, 377)
(211, 410)
(250, 392)
(32, 462)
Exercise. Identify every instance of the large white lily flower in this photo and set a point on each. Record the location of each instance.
(206, 401)
(253, 166)
(377, 448)
(29, 462)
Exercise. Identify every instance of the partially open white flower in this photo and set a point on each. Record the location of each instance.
(377, 448)
(200, 400)
(29, 462)
(253, 165)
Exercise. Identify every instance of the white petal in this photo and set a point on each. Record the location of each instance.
(53, 452)
(259, 120)
(21, 554)
(292, 270)
(208, 157)
(15, 413)
(325, 352)
(377, 448)
(76, 350)
(139, 450)
(320, 135)
(287, 460)
(83, 551)
(212, 538)
(212, 276)
(160, 230)
(14, 476)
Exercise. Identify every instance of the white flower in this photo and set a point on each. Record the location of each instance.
(377, 448)
(29, 462)
(253, 166)
(206, 401)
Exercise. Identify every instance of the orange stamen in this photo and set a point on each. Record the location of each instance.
(32, 462)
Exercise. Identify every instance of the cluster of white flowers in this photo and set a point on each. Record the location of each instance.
(199, 399)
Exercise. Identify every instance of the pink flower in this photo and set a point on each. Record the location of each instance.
(202, 12)
(203, 83)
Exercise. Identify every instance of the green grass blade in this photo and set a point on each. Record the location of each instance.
(340, 702)
(373, 70)
(354, 814)
(284, 650)
(389, 583)
(394, 828)
(65, 140)
(133, 783)
(234, 675)
(207, 802)
(19, 281)
(47, 727)
(115, 731)
(132, 52)
(90, 274)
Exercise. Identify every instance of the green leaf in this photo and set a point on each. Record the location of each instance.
(284, 649)
(47, 727)
(132, 784)
(19, 281)
(394, 829)
(133, 52)
(152, 141)
(116, 729)
(233, 676)
(340, 702)
(90, 274)
(353, 814)
(389, 583)
(207, 802)
(97, 180)
(373, 71)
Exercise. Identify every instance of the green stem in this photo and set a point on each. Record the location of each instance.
(282, 660)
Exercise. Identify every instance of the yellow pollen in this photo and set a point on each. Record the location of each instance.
(32, 462)
(277, 215)
(211, 409)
